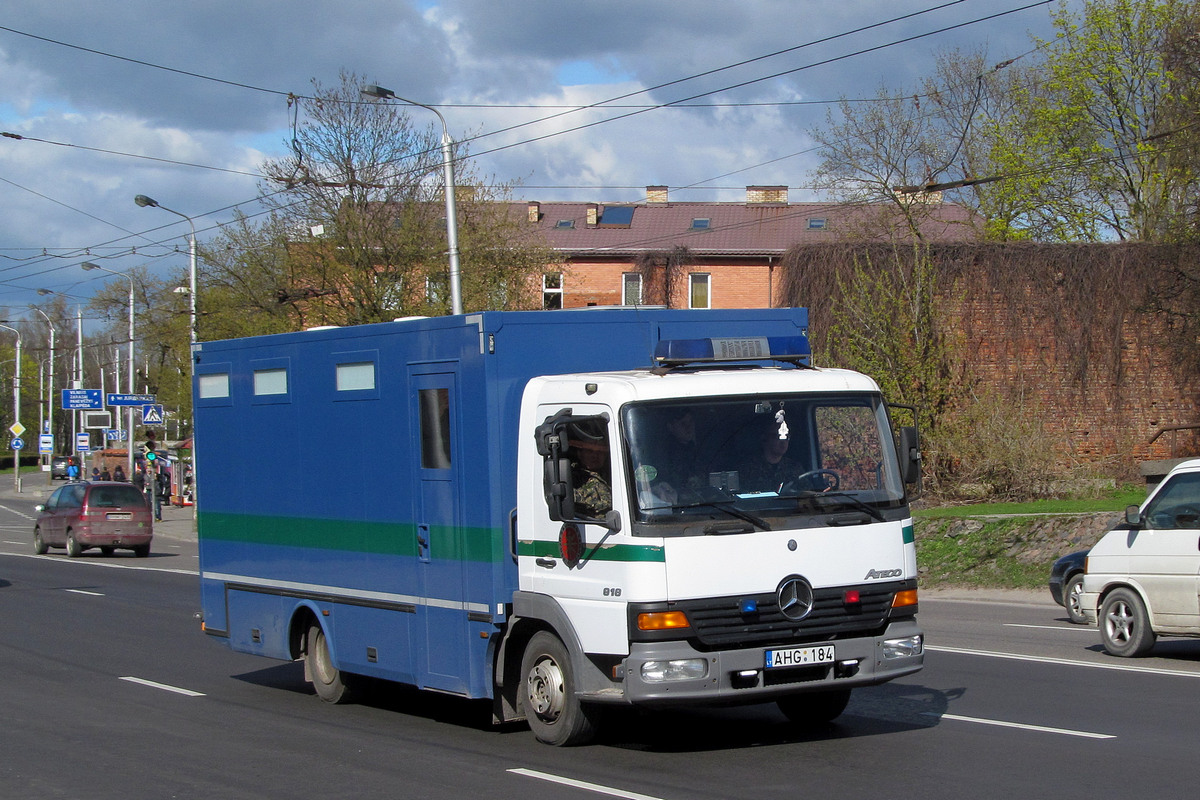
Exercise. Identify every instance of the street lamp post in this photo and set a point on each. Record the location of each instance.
(16, 407)
(449, 191)
(144, 201)
(49, 426)
(88, 265)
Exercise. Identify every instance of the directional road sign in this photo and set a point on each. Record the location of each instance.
(76, 399)
(130, 399)
(152, 415)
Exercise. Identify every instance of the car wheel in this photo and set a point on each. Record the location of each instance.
(39, 544)
(814, 708)
(1071, 592)
(1125, 625)
(141, 550)
(328, 680)
(73, 547)
(548, 696)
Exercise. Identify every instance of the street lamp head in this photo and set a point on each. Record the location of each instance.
(87, 265)
(44, 292)
(377, 91)
(144, 201)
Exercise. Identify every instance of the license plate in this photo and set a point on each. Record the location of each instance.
(118, 515)
(800, 656)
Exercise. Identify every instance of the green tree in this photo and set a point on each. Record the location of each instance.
(355, 230)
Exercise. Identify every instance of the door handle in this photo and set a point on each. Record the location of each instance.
(548, 563)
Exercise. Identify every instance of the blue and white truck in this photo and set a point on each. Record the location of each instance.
(559, 511)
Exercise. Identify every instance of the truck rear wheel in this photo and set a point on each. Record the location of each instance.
(814, 708)
(327, 680)
(551, 706)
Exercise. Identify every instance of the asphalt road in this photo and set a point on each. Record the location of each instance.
(110, 690)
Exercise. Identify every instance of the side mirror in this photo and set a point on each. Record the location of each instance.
(1133, 517)
(910, 455)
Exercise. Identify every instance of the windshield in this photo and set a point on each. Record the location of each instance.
(729, 465)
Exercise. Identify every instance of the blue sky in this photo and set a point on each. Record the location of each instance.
(205, 83)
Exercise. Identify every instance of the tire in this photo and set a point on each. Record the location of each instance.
(1125, 624)
(327, 680)
(1071, 591)
(141, 550)
(39, 544)
(74, 550)
(548, 697)
(814, 708)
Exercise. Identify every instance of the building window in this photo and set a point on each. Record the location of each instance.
(698, 290)
(631, 289)
(701, 224)
(552, 290)
(435, 290)
(817, 223)
(565, 223)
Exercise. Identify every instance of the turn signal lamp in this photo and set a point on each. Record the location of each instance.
(662, 621)
(908, 597)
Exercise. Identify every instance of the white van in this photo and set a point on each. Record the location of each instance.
(1143, 577)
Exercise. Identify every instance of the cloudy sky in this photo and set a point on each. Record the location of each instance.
(184, 101)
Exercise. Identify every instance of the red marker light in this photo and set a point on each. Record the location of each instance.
(851, 597)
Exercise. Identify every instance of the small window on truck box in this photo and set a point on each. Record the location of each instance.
(435, 428)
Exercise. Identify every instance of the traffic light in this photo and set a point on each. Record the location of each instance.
(148, 451)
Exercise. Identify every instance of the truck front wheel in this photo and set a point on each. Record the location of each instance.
(551, 706)
(814, 708)
(1125, 624)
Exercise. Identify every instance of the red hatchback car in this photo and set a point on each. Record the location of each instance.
(83, 515)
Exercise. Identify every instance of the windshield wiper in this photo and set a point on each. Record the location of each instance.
(850, 499)
(732, 510)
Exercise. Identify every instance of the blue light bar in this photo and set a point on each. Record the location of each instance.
(745, 348)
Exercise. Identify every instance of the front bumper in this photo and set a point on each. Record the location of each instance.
(739, 676)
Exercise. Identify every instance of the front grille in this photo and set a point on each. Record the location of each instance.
(719, 622)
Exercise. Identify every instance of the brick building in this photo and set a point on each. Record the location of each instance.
(698, 255)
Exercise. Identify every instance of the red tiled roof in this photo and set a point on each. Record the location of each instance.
(733, 228)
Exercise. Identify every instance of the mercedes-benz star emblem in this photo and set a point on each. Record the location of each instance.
(795, 598)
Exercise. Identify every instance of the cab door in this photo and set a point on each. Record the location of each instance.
(1165, 555)
(444, 662)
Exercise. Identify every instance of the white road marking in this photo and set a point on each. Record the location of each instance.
(83, 591)
(96, 562)
(20, 514)
(1021, 726)
(1067, 662)
(591, 787)
(1082, 628)
(163, 686)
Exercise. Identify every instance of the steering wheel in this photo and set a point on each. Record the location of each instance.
(832, 481)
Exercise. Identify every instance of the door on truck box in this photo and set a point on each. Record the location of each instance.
(443, 661)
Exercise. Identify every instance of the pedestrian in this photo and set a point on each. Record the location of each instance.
(72, 470)
(119, 473)
(104, 474)
(95, 473)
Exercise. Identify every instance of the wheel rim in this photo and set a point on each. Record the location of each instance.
(544, 689)
(1118, 624)
(322, 667)
(1073, 600)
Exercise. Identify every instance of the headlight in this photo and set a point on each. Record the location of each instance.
(685, 669)
(902, 648)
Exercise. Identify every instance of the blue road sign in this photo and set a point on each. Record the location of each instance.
(152, 415)
(83, 442)
(129, 399)
(46, 443)
(76, 399)
(18, 443)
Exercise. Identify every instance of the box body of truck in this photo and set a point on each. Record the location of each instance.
(409, 501)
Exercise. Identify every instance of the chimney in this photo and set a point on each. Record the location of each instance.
(656, 194)
(535, 211)
(593, 214)
(758, 195)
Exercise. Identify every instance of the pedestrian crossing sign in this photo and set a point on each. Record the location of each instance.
(152, 415)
